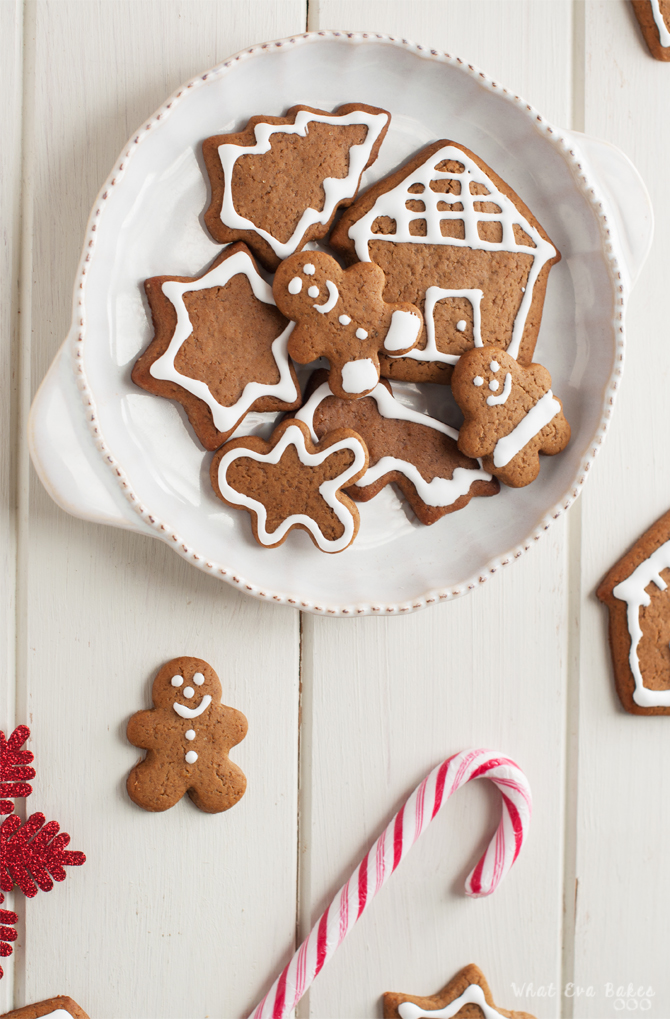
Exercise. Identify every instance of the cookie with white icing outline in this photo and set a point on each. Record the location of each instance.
(510, 414)
(60, 1007)
(654, 19)
(467, 996)
(278, 183)
(637, 593)
(188, 734)
(412, 450)
(219, 346)
(291, 482)
(455, 240)
(341, 314)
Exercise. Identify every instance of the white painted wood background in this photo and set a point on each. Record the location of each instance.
(182, 915)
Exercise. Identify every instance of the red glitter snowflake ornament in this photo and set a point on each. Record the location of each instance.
(14, 770)
(6, 933)
(33, 853)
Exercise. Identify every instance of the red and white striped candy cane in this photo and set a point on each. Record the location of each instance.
(393, 844)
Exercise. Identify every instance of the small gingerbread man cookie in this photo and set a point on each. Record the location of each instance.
(341, 314)
(188, 734)
(511, 414)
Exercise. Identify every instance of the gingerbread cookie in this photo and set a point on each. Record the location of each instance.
(278, 183)
(637, 593)
(510, 412)
(219, 346)
(290, 482)
(412, 450)
(342, 315)
(467, 996)
(654, 20)
(188, 734)
(454, 239)
(60, 1007)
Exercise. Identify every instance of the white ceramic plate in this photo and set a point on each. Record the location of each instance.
(124, 457)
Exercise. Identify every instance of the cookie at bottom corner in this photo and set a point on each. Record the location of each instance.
(60, 1007)
(467, 996)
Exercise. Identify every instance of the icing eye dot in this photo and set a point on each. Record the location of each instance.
(198, 679)
(177, 680)
(344, 320)
(190, 734)
(188, 691)
(478, 380)
(295, 286)
(361, 334)
(461, 325)
(494, 366)
(313, 291)
(309, 269)
(493, 385)
(191, 757)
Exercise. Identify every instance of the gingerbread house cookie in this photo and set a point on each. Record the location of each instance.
(290, 482)
(412, 450)
(341, 314)
(278, 183)
(60, 1007)
(654, 20)
(510, 414)
(467, 996)
(454, 239)
(219, 346)
(637, 593)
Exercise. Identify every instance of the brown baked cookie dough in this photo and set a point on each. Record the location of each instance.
(468, 987)
(278, 183)
(654, 20)
(456, 241)
(58, 1007)
(188, 735)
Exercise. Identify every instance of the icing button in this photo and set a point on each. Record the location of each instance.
(191, 757)
(361, 334)
(344, 320)
(190, 734)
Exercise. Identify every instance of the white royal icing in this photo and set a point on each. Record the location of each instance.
(188, 691)
(507, 389)
(531, 423)
(361, 334)
(190, 734)
(308, 269)
(191, 757)
(472, 995)
(177, 680)
(333, 298)
(313, 292)
(403, 331)
(198, 679)
(60, 1013)
(328, 490)
(461, 324)
(478, 381)
(336, 189)
(344, 320)
(659, 20)
(632, 591)
(295, 286)
(439, 491)
(358, 376)
(433, 295)
(393, 204)
(225, 418)
(185, 712)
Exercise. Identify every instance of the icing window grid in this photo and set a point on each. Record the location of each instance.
(225, 418)
(393, 204)
(336, 189)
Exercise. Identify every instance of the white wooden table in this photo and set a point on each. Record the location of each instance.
(184, 915)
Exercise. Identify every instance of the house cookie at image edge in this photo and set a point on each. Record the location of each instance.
(278, 183)
(654, 19)
(637, 595)
(219, 346)
(467, 996)
(454, 239)
(412, 450)
(60, 1007)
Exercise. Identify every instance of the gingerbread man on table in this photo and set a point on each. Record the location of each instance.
(188, 734)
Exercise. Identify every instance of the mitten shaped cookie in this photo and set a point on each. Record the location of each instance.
(341, 315)
(188, 734)
(291, 482)
(511, 414)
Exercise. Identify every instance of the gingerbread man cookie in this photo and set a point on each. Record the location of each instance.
(511, 414)
(341, 315)
(188, 734)
(467, 995)
(289, 482)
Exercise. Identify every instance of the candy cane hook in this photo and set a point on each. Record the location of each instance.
(393, 844)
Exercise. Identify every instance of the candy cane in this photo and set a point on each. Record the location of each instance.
(393, 844)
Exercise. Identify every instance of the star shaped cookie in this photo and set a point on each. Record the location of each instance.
(467, 996)
(290, 482)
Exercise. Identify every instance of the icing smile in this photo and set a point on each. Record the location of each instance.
(185, 712)
(333, 298)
